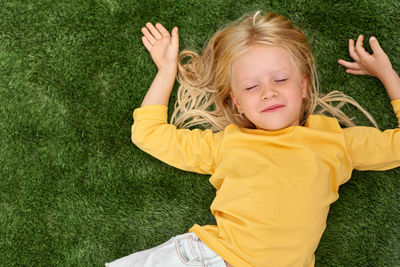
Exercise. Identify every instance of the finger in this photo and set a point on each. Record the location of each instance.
(153, 31)
(349, 65)
(162, 30)
(148, 35)
(356, 72)
(175, 38)
(376, 48)
(359, 47)
(146, 43)
(353, 53)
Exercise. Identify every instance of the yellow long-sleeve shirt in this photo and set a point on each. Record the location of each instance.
(274, 188)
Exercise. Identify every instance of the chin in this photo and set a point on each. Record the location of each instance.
(274, 121)
(274, 126)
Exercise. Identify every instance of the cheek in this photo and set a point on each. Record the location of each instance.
(248, 101)
(299, 99)
(295, 96)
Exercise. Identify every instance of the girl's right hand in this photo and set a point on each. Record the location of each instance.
(162, 47)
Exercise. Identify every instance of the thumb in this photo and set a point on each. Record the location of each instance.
(175, 38)
(376, 48)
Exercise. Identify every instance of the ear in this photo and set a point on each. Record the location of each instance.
(304, 86)
(237, 104)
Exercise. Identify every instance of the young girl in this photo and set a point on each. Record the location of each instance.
(276, 160)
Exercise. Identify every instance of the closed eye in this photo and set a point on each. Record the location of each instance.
(281, 80)
(249, 88)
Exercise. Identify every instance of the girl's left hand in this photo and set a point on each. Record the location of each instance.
(377, 64)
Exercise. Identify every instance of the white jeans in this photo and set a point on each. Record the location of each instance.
(182, 250)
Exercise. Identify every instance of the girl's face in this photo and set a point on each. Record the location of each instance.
(268, 87)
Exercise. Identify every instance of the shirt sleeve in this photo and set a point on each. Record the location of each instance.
(191, 150)
(372, 149)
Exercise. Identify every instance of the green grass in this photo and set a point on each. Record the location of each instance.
(74, 190)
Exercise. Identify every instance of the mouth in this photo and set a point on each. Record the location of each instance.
(273, 108)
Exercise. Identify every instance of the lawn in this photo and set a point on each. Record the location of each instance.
(74, 190)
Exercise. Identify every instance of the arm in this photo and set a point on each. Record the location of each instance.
(370, 148)
(164, 51)
(191, 150)
(377, 65)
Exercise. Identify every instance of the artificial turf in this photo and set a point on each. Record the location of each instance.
(74, 190)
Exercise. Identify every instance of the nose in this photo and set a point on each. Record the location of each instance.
(269, 91)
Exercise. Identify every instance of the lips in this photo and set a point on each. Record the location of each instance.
(273, 108)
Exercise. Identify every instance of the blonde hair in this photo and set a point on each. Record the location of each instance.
(203, 97)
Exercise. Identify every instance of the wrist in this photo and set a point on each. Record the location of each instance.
(391, 81)
(389, 77)
(168, 70)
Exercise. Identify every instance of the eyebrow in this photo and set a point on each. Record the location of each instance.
(272, 73)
